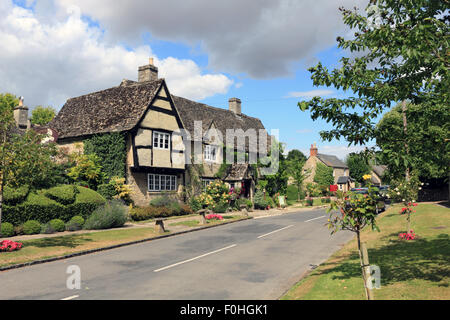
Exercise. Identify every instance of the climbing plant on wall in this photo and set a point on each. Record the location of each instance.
(111, 149)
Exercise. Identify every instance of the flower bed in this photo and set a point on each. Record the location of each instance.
(9, 246)
(214, 216)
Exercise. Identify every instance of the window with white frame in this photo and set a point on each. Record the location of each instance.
(162, 182)
(161, 140)
(210, 153)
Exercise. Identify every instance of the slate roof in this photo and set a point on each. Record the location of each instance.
(120, 109)
(331, 161)
(379, 170)
(223, 119)
(344, 179)
(112, 110)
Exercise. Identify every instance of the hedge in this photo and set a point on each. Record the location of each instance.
(13, 196)
(38, 206)
(65, 194)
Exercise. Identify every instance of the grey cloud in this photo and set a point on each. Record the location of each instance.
(262, 39)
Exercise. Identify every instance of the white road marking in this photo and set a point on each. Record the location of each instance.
(275, 231)
(192, 259)
(71, 297)
(268, 216)
(315, 218)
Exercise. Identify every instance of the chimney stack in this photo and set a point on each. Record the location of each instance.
(313, 151)
(21, 115)
(148, 72)
(235, 105)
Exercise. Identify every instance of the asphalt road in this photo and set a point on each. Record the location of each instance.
(252, 259)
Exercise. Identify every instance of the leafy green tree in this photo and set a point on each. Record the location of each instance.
(42, 115)
(24, 160)
(323, 176)
(296, 171)
(358, 166)
(87, 169)
(399, 52)
(276, 182)
(429, 153)
(297, 155)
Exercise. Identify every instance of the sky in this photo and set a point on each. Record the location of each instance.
(208, 51)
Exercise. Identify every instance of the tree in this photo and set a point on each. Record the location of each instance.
(24, 160)
(323, 176)
(296, 171)
(355, 212)
(42, 115)
(429, 153)
(297, 155)
(358, 166)
(402, 54)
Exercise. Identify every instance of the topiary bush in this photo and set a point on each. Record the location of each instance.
(58, 225)
(31, 227)
(113, 214)
(7, 230)
(38, 206)
(76, 223)
(14, 196)
(65, 194)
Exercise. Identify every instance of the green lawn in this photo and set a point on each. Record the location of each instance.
(416, 269)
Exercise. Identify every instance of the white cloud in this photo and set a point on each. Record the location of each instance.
(50, 59)
(309, 94)
(260, 38)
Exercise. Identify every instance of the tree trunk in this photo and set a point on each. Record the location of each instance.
(368, 293)
(405, 131)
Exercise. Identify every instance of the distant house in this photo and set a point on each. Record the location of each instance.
(377, 173)
(155, 123)
(341, 172)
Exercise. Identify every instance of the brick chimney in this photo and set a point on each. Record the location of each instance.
(148, 72)
(21, 115)
(313, 151)
(234, 104)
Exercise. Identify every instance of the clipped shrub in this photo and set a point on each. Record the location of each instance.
(7, 229)
(186, 209)
(47, 229)
(270, 202)
(107, 191)
(76, 223)
(309, 202)
(31, 227)
(58, 225)
(14, 196)
(112, 214)
(64, 194)
(38, 206)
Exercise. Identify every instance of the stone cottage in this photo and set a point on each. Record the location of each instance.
(341, 172)
(167, 136)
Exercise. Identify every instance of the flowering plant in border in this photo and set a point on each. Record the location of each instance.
(407, 235)
(216, 194)
(214, 216)
(406, 191)
(9, 246)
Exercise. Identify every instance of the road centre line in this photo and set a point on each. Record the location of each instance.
(71, 297)
(195, 258)
(315, 218)
(261, 236)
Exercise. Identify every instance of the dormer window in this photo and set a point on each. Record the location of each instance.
(210, 153)
(161, 140)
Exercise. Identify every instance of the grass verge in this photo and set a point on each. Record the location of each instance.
(410, 270)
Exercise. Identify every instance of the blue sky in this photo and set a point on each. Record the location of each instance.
(207, 51)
